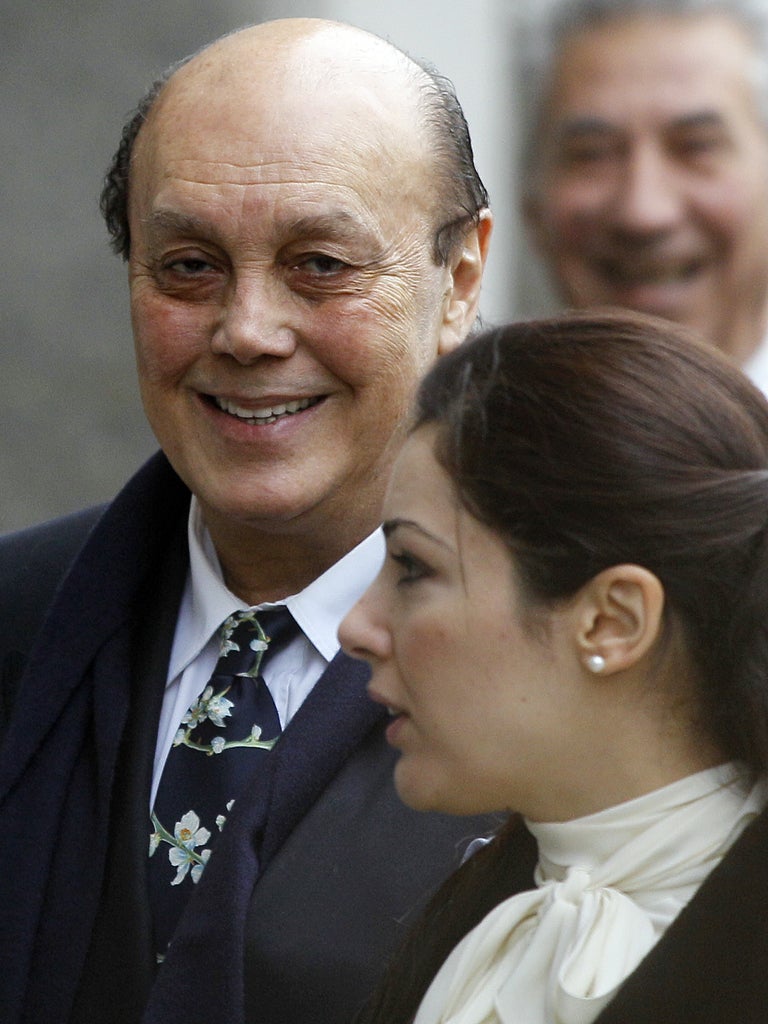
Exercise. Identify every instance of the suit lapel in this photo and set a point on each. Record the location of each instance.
(333, 721)
(61, 749)
(95, 602)
(121, 962)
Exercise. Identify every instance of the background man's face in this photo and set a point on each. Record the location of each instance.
(653, 184)
(283, 292)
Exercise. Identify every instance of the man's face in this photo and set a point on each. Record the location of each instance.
(283, 292)
(652, 187)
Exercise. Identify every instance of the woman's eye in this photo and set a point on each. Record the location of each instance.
(411, 569)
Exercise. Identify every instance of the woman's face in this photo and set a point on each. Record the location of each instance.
(476, 684)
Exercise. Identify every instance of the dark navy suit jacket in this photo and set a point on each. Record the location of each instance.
(317, 872)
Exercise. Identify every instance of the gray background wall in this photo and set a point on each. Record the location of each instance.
(71, 427)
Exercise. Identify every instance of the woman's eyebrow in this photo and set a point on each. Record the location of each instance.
(390, 526)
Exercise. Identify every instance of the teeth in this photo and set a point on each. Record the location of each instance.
(268, 415)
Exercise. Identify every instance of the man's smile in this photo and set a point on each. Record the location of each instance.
(267, 414)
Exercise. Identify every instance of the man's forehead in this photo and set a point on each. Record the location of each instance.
(357, 171)
(295, 58)
(264, 120)
(670, 67)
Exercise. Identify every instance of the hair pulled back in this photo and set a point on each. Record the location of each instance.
(588, 441)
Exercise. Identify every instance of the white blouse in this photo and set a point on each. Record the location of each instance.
(607, 887)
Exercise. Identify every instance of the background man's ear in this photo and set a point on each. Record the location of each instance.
(462, 299)
(619, 618)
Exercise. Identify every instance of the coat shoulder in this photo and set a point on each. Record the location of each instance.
(33, 563)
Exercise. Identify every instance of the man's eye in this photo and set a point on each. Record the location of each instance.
(411, 569)
(699, 145)
(188, 267)
(321, 265)
(586, 153)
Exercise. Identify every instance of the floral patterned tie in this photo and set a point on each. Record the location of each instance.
(224, 733)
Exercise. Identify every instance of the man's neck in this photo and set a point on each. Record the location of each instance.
(260, 566)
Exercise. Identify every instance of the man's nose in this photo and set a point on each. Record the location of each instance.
(254, 321)
(648, 198)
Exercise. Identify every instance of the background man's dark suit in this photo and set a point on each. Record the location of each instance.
(347, 890)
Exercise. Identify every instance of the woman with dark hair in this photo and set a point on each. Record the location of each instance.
(571, 624)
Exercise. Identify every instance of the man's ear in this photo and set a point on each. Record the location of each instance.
(619, 617)
(462, 297)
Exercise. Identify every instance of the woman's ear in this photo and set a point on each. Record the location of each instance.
(618, 618)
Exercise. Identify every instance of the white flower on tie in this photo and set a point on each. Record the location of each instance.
(197, 870)
(227, 646)
(221, 818)
(187, 836)
(209, 705)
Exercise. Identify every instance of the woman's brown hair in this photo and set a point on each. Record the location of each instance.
(587, 441)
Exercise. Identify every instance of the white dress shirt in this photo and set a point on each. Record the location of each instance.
(756, 367)
(293, 671)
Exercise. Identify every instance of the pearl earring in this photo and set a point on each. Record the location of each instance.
(595, 663)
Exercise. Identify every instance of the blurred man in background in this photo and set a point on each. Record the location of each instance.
(646, 163)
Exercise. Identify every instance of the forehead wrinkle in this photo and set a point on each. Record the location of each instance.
(275, 170)
(314, 176)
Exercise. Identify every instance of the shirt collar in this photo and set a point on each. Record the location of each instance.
(318, 608)
(756, 367)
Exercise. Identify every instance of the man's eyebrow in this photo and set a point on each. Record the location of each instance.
(360, 240)
(698, 119)
(337, 222)
(574, 127)
(340, 223)
(169, 221)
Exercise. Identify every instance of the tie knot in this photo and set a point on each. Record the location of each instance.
(246, 636)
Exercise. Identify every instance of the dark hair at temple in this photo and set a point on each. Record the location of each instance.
(588, 441)
(461, 194)
(113, 202)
